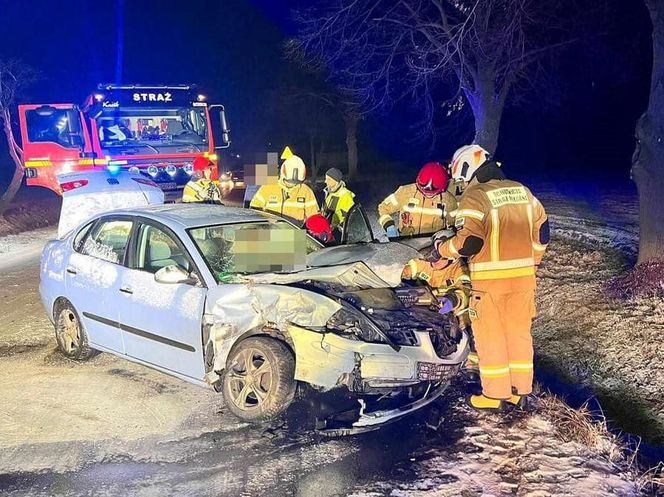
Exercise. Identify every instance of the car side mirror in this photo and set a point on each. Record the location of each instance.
(174, 275)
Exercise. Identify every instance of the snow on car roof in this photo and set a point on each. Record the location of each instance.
(195, 215)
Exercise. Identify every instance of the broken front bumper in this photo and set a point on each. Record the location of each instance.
(385, 384)
(329, 360)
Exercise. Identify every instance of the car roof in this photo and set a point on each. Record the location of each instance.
(193, 215)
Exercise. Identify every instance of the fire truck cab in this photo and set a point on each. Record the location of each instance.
(157, 131)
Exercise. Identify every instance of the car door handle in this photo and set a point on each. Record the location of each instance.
(126, 289)
(71, 270)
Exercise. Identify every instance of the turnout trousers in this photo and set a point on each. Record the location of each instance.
(501, 323)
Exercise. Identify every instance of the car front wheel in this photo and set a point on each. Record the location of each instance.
(70, 334)
(258, 383)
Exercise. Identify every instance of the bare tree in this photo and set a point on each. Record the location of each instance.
(15, 76)
(648, 161)
(477, 51)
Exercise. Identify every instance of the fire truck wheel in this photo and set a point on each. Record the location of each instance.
(70, 333)
(258, 383)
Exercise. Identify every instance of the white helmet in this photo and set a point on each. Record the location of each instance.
(293, 170)
(466, 162)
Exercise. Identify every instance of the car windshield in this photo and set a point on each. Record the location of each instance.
(129, 131)
(251, 248)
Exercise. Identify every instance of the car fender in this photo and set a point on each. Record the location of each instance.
(235, 310)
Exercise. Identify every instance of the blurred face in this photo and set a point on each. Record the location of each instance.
(330, 182)
(265, 248)
(207, 172)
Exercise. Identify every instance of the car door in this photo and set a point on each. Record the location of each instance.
(356, 227)
(93, 276)
(162, 322)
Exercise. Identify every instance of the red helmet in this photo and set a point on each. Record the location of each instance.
(319, 227)
(201, 162)
(432, 179)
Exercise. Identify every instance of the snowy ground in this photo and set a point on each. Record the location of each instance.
(109, 427)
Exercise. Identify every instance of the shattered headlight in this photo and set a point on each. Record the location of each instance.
(348, 321)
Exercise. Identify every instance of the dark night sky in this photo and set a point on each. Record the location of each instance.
(232, 49)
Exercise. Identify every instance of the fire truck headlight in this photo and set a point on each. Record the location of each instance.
(153, 171)
(134, 170)
(188, 168)
(113, 168)
(171, 170)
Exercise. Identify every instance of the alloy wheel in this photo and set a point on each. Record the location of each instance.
(250, 379)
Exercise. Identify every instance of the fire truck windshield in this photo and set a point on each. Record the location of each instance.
(134, 131)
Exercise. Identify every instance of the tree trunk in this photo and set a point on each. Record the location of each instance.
(15, 153)
(351, 144)
(312, 158)
(648, 161)
(487, 105)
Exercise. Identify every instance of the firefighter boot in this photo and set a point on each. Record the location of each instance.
(520, 402)
(482, 403)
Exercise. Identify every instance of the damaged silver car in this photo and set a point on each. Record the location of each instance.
(247, 303)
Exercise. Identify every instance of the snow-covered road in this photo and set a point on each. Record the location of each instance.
(110, 427)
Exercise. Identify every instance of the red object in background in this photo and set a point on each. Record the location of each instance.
(319, 227)
(432, 179)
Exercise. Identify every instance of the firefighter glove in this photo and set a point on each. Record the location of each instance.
(446, 305)
(392, 232)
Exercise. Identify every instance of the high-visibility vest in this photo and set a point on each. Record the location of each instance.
(297, 203)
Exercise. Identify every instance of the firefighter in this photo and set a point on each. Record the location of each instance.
(450, 283)
(338, 199)
(290, 197)
(201, 187)
(424, 207)
(503, 231)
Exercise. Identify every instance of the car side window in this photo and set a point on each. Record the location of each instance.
(156, 249)
(108, 240)
(78, 239)
(356, 227)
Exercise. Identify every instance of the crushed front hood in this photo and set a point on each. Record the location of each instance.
(354, 275)
(371, 265)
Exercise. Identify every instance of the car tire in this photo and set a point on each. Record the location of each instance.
(70, 334)
(258, 382)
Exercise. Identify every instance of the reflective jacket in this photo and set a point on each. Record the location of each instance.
(337, 204)
(202, 190)
(503, 230)
(417, 214)
(444, 278)
(297, 203)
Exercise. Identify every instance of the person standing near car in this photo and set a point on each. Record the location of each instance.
(338, 198)
(201, 187)
(290, 197)
(423, 207)
(503, 230)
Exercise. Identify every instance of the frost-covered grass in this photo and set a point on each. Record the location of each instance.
(645, 280)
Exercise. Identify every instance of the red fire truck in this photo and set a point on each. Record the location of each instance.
(158, 131)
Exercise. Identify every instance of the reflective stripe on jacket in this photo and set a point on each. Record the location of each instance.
(202, 190)
(297, 203)
(337, 204)
(498, 228)
(417, 214)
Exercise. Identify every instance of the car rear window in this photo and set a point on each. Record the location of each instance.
(108, 240)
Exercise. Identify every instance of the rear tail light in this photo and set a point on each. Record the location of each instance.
(145, 181)
(72, 185)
